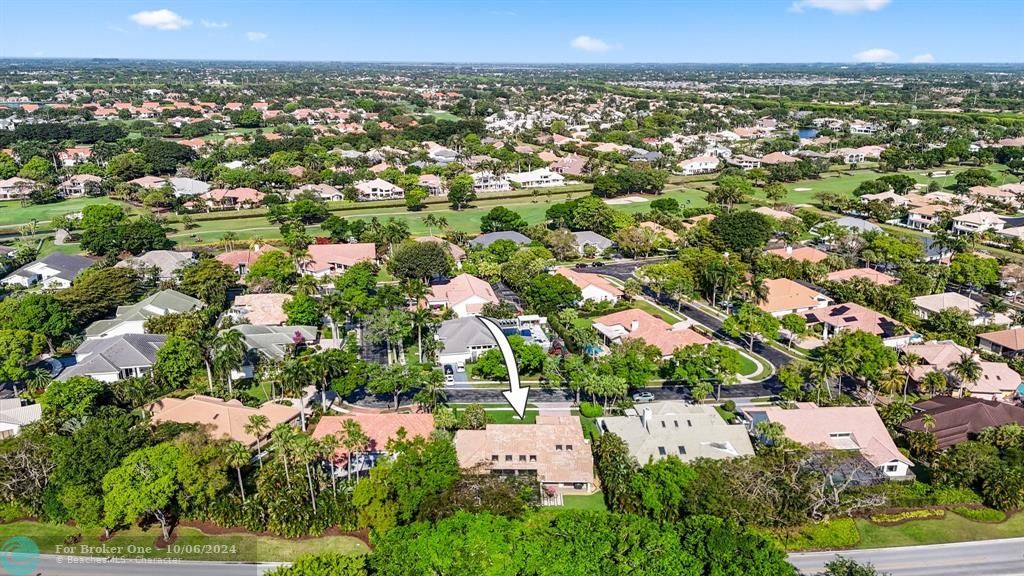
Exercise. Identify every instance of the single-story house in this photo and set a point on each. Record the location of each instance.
(592, 286)
(464, 294)
(553, 450)
(852, 317)
(52, 271)
(166, 262)
(260, 309)
(635, 323)
(225, 419)
(672, 428)
(380, 429)
(843, 428)
(272, 342)
(332, 259)
(239, 260)
(456, 251)
(668, 233)
(587, 238)
(958, 420)
(131, 319)
(115, 358)
(539, 178)
(869, 274)
(788, 297)
(935, 303)
(1009, 343)
(14, 416)
(800, 253)
(996, 381)
(485, 240)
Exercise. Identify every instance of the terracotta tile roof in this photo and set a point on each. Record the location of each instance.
(801, 253)
(263, 309)
(235, 258)
(1012, 339)
(852, 316)
(816, 426)
(669, 234)
(225, 418)
(462, 288)
(379, 428)
(554, 447)
(785, 294)
(634, 323)
(868, 274)
(584, 280)
(323, 256)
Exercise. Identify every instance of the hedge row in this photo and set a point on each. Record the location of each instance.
(980, 514)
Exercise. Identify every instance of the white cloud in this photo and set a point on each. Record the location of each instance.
(840, 6)
(590, 44)
(162, 19)
(876, 55)
(212, 24)
(256, 36)
(923, 58)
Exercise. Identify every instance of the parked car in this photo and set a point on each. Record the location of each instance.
(460, 367)
(581, 265)
(448, 370)
(450, 378)
(641, 397)
(598, 263)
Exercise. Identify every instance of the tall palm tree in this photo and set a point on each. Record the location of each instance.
(283, 438)
(421, 318)
(306, 450)
(934, 381)
(433, 390)
(928, 422)
(908, 360)
(329, 445)
(824, 371)
(353, 438)
(295, 376)
(257, 426)
(228, 239)
(967, 370)
(236, 455)
(229, 352)
(757, 290)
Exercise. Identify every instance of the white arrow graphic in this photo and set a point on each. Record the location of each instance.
(515, 395)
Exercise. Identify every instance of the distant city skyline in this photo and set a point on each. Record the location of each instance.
(768, 31)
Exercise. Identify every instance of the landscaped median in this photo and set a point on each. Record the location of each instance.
(903, 528)
(189, 543)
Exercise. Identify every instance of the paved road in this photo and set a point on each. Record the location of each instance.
(986, 558)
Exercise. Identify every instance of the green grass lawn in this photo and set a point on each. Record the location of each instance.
(594, 502)
(443, 115)
(510, 417)
(654, 311)
(951, 528)
(239, 547)
(747, 366)
(12, 213)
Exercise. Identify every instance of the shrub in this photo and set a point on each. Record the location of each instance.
(896, 517)
(729, 406)
(828, 535)
(950, 495)
(980, 514)
(589, 410)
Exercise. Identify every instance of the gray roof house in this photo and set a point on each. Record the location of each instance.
(855, 224)
(54, 271)
(132, 319)
(672, 428)
(463, 339)
(13, 416)
(188, 186)
(485, 240)
(273, 341)
(167, 262)
(586, 237)
(115, 358)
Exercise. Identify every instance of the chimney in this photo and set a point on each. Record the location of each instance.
(645, 419)
(789, 249)
(634, 325)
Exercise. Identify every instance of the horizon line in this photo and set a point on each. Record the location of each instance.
(513, 63)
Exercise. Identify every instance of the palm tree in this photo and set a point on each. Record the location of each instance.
(824, 371)
(295, 375)
(421, 318)
(993, 306)
(40, 379)
(757, 290)
(257, 426)
(306, 449)
(928, 422)
(433, 390)
(228, 240)
(934, 381)
(283, 437)
(229, 351)
(967, 370)
(353, 438)
(329, 444)
(908, 360)
(236, 455)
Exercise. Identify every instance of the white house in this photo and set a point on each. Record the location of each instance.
(699, 165)
(378, 189)
(464, 294)
(977, 222)
(488, 182)
(592, 286)
(539, 178)
(54, 271)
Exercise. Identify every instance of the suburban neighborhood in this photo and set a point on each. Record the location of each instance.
(761, 318)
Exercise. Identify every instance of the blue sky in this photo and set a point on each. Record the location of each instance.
(523, 31)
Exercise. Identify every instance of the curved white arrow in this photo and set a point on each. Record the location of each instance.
(515, 395)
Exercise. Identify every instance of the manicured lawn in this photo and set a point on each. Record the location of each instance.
(594, 502)
(952, 528)
(443, 115)
(509, 417)
(12, 213)
(747, 366)
(725, 414)
(654, 311)
(225, 547)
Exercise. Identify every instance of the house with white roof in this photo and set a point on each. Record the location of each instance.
(132, 319)
(593, 287)
(539, 178)
(977, 222)
(661, 429)
(699, 165)
(935, 303)
(378, 189)
(489, 182)
(53, 271)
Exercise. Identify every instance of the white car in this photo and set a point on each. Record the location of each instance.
(640, 397)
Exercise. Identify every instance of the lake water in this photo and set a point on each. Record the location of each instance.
(807, 132)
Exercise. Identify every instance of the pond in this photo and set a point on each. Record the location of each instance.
(807, 132)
